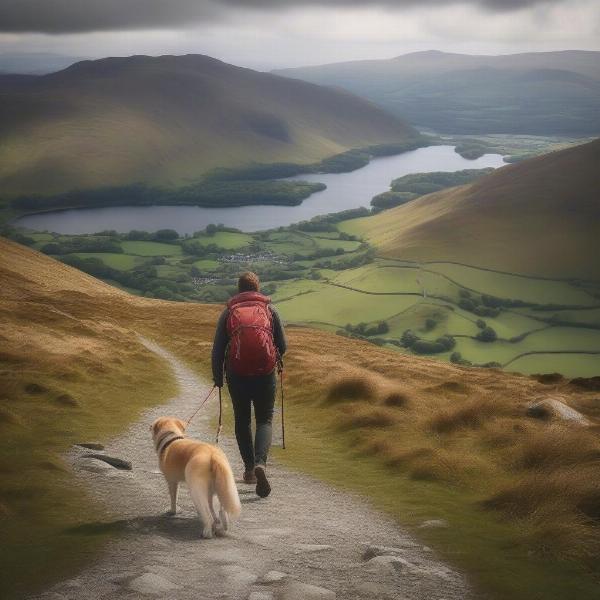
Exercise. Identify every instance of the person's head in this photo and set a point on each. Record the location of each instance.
(248, 282)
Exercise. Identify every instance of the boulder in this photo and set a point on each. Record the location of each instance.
(554, 407)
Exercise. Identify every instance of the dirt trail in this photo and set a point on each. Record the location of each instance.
(306, 541)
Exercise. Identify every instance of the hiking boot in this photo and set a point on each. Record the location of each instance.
(263, 488)
(249, 476)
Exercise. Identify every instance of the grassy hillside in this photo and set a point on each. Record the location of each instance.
(167, 120)
(539, 217)
(538, 93)
(421, 439)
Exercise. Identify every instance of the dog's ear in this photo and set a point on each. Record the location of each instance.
(180, 424)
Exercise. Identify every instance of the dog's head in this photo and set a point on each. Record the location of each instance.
(165, 425)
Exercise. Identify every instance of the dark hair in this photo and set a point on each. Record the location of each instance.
(248, 282)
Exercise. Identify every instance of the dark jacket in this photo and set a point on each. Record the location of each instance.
(222, 340)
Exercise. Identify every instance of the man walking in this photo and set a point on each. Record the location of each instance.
(249, 343)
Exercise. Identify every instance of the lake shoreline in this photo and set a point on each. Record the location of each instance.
(339, 191)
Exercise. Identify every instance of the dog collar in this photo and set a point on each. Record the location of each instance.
(166, 441)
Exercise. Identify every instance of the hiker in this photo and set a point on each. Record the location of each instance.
(249, 343)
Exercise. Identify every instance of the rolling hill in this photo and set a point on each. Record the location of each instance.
(166, 120)
(539, 217)
(535, 93)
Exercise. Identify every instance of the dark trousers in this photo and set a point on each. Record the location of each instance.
(260, 392)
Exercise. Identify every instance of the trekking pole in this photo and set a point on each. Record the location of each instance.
(220, 417)
(282, 409)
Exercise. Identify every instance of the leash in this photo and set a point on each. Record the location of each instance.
(202, 404)
(282, 406)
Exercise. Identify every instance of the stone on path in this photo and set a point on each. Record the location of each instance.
(113, 461)
(304, 591)
(313, 547)
(373, 550)
(388, 564)
(93, 466)
(434, 524)
(260, 596)
(237, 576)
(273, 577)
(91, 446)
(150, 583)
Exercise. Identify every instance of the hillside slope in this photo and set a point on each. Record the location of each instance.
(166, 120)
(537, 93)
(423, 439)
(539, 217)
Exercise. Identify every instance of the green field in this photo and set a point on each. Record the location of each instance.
(151, 249)
(227, 240)
(122, 262)
(328, 279)
(206, 264)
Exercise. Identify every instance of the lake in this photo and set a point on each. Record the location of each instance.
(344, 191)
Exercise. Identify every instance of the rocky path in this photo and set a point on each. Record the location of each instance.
(306, 541)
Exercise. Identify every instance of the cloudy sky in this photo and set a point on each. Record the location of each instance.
(272, 33)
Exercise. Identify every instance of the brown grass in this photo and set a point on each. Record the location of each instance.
(557, 446)
(356, 416)
(469, 415)
(355, 386)
(396, 399)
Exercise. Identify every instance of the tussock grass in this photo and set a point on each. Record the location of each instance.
(355, 416)
(471, 415)
(352, 386)
(557, 446)
(396, 399)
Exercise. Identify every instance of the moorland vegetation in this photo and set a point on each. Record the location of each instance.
(518, 491)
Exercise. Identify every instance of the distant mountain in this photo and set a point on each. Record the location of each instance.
(35, 63)
(540, 216)
(537, 93)
(166, 120)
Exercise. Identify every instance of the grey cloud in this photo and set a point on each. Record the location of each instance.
(70, 16)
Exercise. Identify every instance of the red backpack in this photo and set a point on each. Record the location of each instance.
(251, 348)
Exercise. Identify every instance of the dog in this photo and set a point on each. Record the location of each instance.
(203, 467)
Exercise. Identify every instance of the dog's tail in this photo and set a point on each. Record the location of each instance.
(225, 486)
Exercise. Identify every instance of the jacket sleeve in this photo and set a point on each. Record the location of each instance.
(278, 333)
(219, 347)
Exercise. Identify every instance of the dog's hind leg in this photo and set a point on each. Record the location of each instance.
(199, 493)
(173, 487)
(218, 527)
(224, 518)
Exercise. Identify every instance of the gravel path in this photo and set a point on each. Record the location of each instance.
(306, 541)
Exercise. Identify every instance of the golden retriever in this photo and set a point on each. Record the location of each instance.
(203, 467)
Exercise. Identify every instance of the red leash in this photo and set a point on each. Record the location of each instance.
(202, 404)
